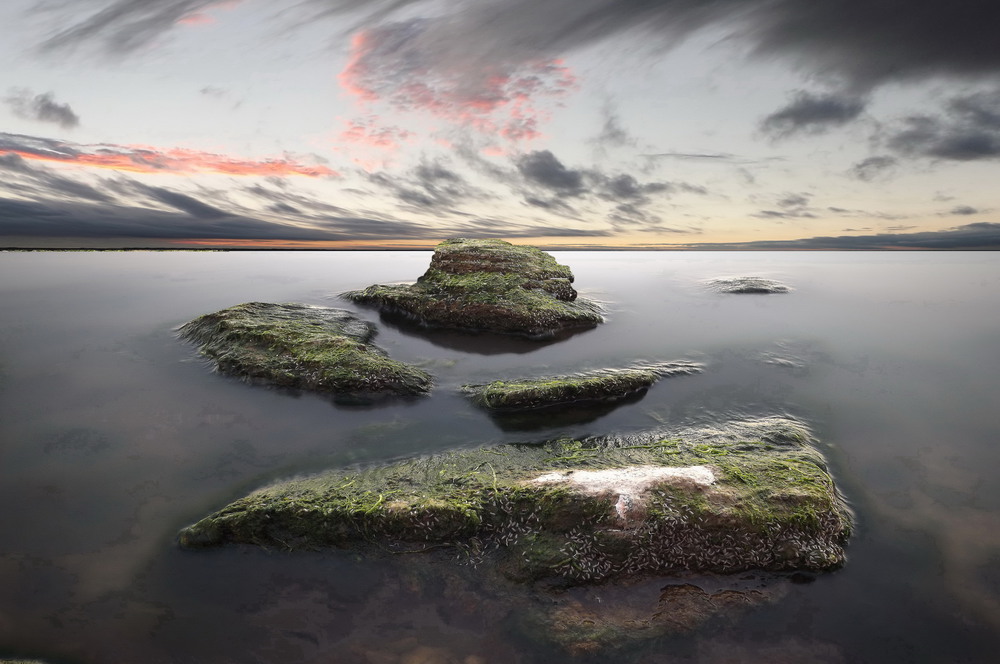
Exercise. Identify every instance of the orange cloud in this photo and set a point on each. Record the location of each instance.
(146, 159)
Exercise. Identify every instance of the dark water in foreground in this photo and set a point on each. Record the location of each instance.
(113, 435)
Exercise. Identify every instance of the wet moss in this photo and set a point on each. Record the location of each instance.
(488, 285)
(773, 506)
(302, 347)
(597, 386)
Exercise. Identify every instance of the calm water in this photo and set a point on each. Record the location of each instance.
(113, 435)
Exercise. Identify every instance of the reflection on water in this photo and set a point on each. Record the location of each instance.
(113, 435)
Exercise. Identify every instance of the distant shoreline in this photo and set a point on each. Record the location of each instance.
(725, 249)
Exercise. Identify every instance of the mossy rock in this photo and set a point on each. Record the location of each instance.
(488, 285)
(746, 285)
(607, 385)
(751, 494)
(302, 347)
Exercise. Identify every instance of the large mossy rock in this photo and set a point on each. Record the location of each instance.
(303, 347)
(488, 285)
(752, 494)
(607, 385)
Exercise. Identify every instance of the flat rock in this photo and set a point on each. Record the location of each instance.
(744, 285)
(303, 347)
(747, 494)
(607, 385)
(488, 285)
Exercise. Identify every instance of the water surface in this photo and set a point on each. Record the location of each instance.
(113, 435)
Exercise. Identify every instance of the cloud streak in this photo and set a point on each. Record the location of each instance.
(865, 42)
(147, 159)
(123, 26)
(809, 113)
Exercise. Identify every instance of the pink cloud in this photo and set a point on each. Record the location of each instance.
(202, 18)
(147, 159)
(368, 132)
(391, 65)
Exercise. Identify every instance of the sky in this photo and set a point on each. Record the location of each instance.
(659, 124)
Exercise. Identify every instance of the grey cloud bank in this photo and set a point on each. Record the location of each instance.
(864, 42)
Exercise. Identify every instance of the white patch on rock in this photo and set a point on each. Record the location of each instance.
(629, 483)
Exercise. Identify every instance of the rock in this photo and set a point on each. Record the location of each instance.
(488, 285)
(746, 285)
(303, 347)
(751, 494)
(607, 385)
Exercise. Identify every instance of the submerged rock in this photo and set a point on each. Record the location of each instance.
(579, 627)
(303, 347)
(746, 285)
(753, 494)
(488, 285)
(608, 385)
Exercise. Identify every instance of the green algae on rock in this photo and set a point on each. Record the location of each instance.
(488, 285)
(604, 385)
(752, 494)
(746, 285)
(303, 347)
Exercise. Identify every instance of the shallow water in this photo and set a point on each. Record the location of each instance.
(113, 435)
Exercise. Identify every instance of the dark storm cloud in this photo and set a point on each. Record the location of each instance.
(281, 197)
(37, 146)
(429, 186)
(41, 107)
(968, 130)
(625, 187)
(27, 180)
(48, 219)
(627, 214)
(809, 113)
(36, 201)
(544, 169)
(183, 202)
(76, 219)
(792, 206)
(483, 228)
(873, 168)
(794, 201)
(862, 42)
